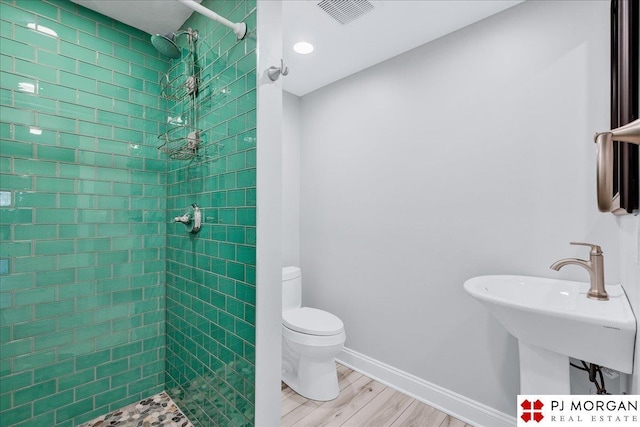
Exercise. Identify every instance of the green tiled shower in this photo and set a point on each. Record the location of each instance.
(103, 300)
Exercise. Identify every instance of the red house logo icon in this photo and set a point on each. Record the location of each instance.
(532, 411)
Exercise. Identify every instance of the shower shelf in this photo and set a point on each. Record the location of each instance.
(181, 142)
(181, 81)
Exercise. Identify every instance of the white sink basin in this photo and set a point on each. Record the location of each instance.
(556, 316)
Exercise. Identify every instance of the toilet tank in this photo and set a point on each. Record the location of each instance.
(291, 288)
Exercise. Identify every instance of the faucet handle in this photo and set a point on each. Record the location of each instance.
(595, 249)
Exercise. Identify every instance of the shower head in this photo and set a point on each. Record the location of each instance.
(167, 45)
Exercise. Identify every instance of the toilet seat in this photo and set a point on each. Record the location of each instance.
(312, 321)
(313, 341)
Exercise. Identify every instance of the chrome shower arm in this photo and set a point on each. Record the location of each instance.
(628, 133)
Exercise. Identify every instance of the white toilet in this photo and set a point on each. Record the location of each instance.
(311, 338)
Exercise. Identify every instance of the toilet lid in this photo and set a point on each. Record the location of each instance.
(312, 321)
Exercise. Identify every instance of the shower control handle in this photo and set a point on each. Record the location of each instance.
(193, 220)
(185, 219)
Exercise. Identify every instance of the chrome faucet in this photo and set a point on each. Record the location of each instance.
(594, 266)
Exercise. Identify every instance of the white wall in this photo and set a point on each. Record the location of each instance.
(291, 136)
(268, 218)
(630, 277)
(470, 155)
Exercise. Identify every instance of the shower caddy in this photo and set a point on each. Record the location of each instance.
(181, 139)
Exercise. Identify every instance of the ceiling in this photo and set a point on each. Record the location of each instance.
(389, 28)
(151, 16)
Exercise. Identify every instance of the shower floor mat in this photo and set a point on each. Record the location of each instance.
(158, 410)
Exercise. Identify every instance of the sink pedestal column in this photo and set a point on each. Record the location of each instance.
(543, 371)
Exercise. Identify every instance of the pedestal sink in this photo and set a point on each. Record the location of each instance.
(554, 320)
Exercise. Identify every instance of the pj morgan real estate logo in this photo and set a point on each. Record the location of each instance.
(578, 410)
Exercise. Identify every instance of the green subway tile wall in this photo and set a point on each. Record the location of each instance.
(82, 326)
(211, 275)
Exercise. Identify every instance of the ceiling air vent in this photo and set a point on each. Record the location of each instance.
(345, 11)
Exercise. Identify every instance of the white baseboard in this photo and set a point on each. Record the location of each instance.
(460, 407)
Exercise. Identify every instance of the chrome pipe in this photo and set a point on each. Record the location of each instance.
(239, 28)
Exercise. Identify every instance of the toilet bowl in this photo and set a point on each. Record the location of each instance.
(311, 338)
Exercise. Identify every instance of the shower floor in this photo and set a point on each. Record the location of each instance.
(158, 410)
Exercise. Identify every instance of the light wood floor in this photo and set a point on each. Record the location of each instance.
(362, 402)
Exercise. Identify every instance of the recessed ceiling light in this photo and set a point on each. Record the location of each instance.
(303, 48)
